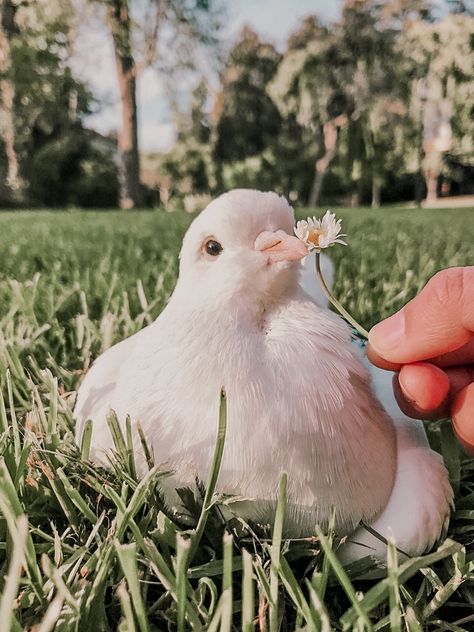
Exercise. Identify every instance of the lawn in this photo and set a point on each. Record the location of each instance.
(99, 550)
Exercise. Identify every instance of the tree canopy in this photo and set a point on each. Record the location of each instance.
(374, 107)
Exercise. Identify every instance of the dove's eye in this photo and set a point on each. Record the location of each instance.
(213, 247)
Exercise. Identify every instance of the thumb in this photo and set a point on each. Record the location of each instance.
(439, 320)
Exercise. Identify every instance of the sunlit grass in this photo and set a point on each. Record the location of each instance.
(100, 550)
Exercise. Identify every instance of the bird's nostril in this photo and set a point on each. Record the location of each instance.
(268, 239)
(277, 243)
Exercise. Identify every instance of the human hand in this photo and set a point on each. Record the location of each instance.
(430, 342)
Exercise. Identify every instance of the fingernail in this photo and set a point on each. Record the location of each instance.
(387, 336)
(462, 416)
(412, 398)
(406, 393)
(424, 385)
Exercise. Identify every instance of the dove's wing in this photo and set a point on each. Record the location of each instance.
(417, 513)
(97, 392)
(309, 282)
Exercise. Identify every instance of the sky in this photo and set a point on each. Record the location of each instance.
(94, 63)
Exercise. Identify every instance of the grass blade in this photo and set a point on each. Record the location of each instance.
(378, 593)
(248, 605)
(215, 467)
(127, 555)
(76, 498)
(11, 509)
(445, 591)
(13, 419)
(226, 616)
(117, 435)
(393, 586)
(296, 594)
(320, 612)
(52, 614)
(130, 451)
(126, 606)
(275, 551)
(343, 579)
(12, 580)
(183, 547)
(320, 580)
(86, 440)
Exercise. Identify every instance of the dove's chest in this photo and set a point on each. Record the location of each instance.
(285, 373)
(298, 400)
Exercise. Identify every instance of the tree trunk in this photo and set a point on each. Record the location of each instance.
(130, 187)
(431, 169)
(330, 134)
(431, 176)
(7, 97)
(355, 199)
(376, 190)
(419, 187)
(419, 177)
(317, 186)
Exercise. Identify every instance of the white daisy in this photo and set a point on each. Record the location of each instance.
(320, 233)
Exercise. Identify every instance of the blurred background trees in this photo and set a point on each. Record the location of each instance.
(377, 107)
(164, 34)
(47, 157)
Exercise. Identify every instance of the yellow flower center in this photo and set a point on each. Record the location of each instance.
(315, 234)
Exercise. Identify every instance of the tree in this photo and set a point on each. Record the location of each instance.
(188, 170)
(120, 25)
(246, 119)
(377, 87)
(44, 147)
(348, 87)
(8, 31)
(159, 33)
(310, 85)
(441, 56)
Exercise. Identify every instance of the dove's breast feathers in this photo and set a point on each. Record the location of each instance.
(298, 400)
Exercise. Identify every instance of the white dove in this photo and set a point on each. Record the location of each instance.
(299, 396)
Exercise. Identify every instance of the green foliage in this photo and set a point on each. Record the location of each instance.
(255, 172)
(61, 162)
(190, 168)
(348, 100)
(45, 88)
(349, 78)
(74, 169)
(83, 547)
(244, 141)
(248, 119)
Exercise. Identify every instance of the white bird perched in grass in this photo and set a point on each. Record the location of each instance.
(299, 396)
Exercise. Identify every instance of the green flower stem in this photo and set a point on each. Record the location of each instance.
(345, 314)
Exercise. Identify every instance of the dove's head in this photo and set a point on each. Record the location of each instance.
(241, 249)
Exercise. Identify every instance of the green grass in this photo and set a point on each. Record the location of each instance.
(98, 550)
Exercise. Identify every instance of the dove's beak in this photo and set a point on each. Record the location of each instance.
(279, 246)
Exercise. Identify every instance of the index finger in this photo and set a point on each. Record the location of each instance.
(437, 321)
